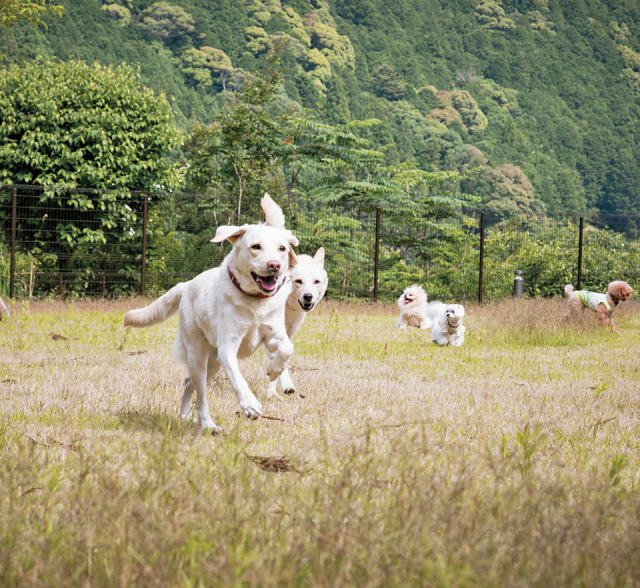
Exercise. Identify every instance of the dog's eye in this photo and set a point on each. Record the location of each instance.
(256, 247)
(283, 248)
(317, 282)
(298, 281)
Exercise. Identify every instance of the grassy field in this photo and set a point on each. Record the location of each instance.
(510, 461)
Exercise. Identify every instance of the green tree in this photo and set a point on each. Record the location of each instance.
(31, 11)
(418, 206)
(72, 124)
(118, 12)
(69, 124)
(234, 157)
(207, 64)
(259, 143)
(167, 21)
(491, 15)
(387, 83)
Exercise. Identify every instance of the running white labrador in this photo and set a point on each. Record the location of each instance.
(226, 313)
(310, 282)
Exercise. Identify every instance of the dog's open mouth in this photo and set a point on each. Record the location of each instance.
(408, 300)
(306, 306)
(266, 283)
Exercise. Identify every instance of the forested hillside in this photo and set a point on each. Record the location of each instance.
(542, 95)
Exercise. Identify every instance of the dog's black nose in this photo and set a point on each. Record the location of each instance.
(307, 297)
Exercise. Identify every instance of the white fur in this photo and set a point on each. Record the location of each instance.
(310, 281)
(447, 327)
(219, 324)
(4, 310)
(413, 309)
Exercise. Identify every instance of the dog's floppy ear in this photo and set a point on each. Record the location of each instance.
(293, 258)
(272, 212)
(229, 232)
(319, 256)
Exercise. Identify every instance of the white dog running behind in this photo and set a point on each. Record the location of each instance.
(413, 308)
(226, 313)
(310, 281)
(447, 327)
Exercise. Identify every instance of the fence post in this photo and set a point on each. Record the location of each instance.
(143, 280)
(12, 269)
(376, 261)
(481, 268)
(518, 284)
(580, 241)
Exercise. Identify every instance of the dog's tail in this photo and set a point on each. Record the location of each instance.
(568, 289)
(158, 311)
(272, 212)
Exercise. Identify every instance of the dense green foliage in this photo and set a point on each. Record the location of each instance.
(77, 125)
(31, 11)
(68, 124)
(408, 108)
(541, 94)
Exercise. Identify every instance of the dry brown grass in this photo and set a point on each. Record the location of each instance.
(511, 461)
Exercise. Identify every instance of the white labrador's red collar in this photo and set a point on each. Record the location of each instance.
(236, 283)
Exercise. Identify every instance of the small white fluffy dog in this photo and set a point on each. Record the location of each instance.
(310, 281)
(226, 313)
(413, 309)
(447, 327)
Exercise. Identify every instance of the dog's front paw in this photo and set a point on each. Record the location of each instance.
(290, 390)
(251, 407)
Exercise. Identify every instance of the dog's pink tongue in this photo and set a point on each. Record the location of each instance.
(268, 283)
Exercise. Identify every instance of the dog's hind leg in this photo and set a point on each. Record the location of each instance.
(272, 390)
(187, 395)
(575, 306)
(213, 368)
(198, 363)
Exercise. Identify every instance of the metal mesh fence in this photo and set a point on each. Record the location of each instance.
(107, 243)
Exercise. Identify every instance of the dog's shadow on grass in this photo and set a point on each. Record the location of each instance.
(154, 422)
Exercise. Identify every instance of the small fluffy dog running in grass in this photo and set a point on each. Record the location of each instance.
(447, 327)
(413, 309)
(603, 305)
(226, 313)
(310, 281)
